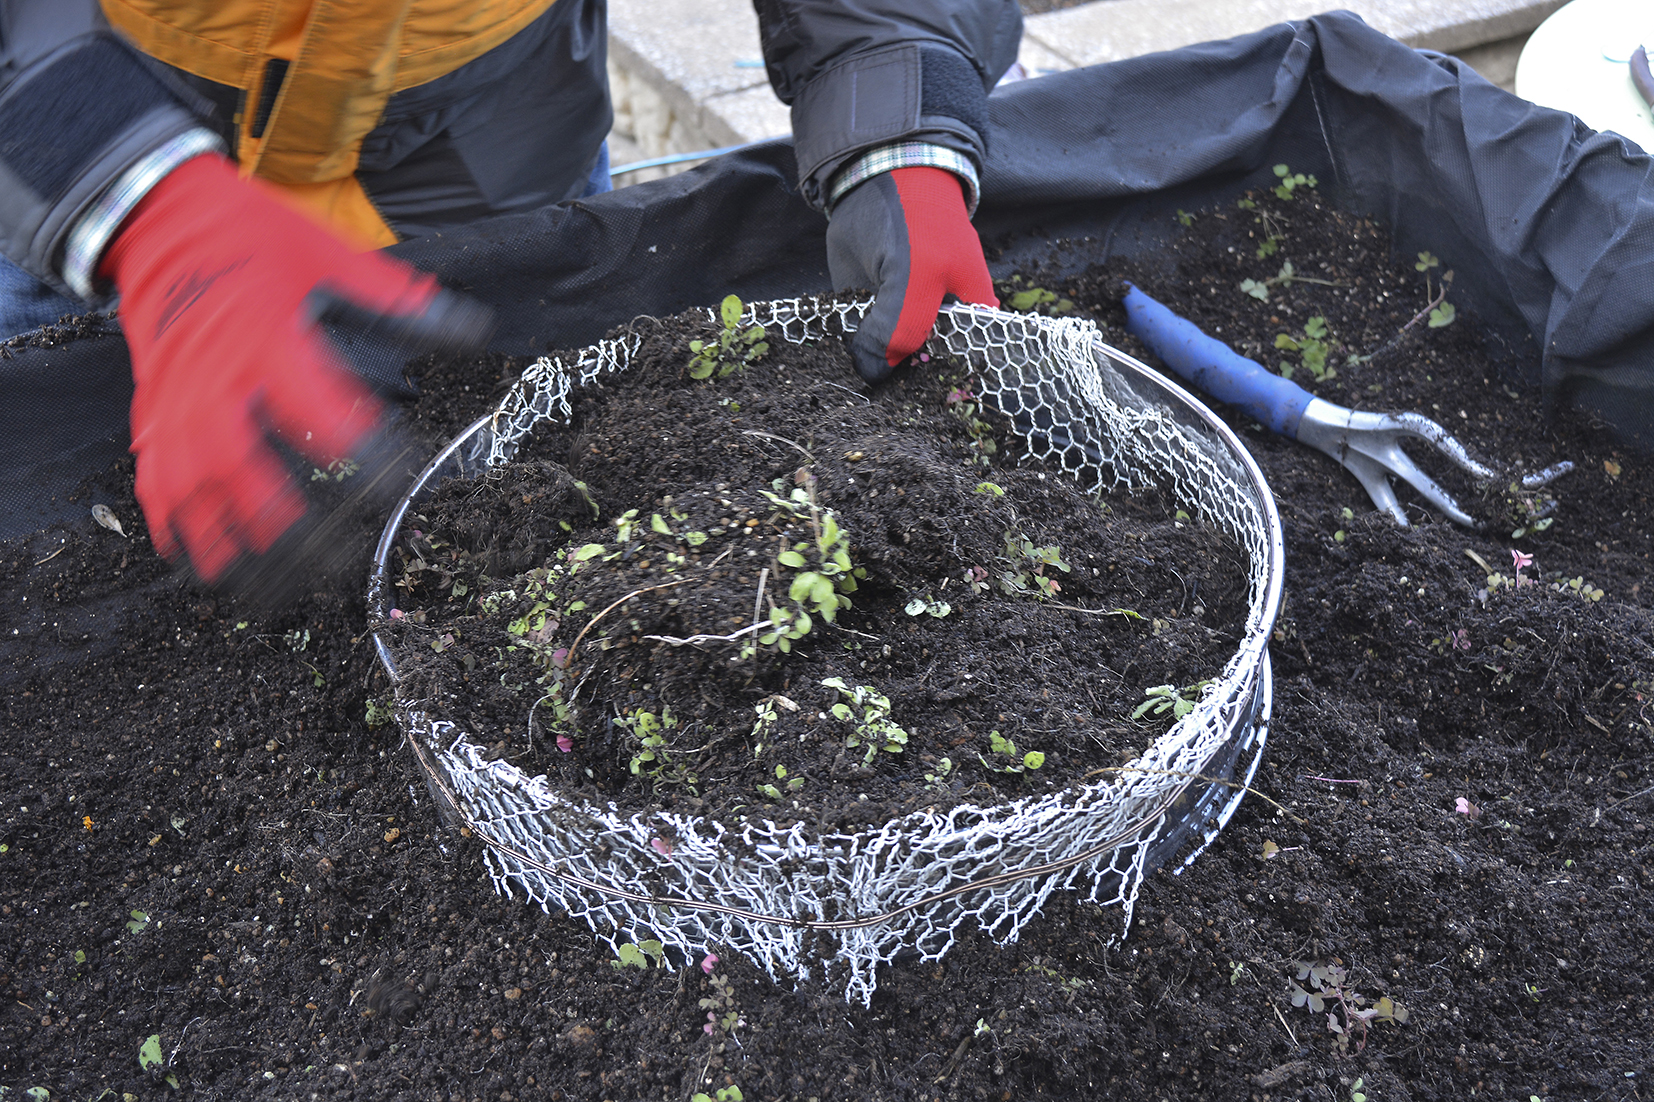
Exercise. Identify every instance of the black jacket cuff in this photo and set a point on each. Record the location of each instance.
(903, 92)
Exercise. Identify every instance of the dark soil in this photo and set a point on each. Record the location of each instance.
(623, 549)
(313, 930)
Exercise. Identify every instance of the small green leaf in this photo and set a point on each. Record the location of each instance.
(730, 311)
(1442, 316)
(792, 559)
(149, 1053)
(1033, 759)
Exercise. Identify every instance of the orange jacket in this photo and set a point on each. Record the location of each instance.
(315, 76)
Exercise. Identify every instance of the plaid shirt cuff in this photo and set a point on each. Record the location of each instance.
(906, 155)
(98, 225)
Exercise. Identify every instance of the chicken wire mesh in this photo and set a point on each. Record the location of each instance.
(836, 906)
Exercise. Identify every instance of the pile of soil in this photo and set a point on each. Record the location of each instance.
(608, 580)
(307, 926)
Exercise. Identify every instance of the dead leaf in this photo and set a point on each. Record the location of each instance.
(1270, 849)
(106, 517)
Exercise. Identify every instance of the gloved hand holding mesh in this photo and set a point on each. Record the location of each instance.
(905, 234)
(221, 288)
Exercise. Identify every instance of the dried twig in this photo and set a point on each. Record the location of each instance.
(1126, 612)
(568, 660)
(1441, 296)
(802, 450)
(758, 609)
(697, 640)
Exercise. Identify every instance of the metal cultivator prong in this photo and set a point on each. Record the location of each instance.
(1369, 445)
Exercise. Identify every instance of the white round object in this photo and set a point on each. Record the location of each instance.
(1578, 61)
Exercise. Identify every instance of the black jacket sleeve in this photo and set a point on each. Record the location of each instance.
(78, 108)
(865, 73)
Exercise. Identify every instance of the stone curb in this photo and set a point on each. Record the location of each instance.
(687, 75)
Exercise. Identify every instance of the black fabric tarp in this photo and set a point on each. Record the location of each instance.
(1550, 226)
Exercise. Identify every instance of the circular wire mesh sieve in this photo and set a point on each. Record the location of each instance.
(837, 906)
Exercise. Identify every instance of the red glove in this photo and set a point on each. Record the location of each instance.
(906, 235)
(221, 285)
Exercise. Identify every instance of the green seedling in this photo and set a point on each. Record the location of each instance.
(153, 1061)
(1038, 300)
(731, 1093)
(1169, 701)
(792, 784)
(1291, 182)
(1027, 564)
(653, 757)
(1529, 511)
(732, 350)
(138, 923)
(722, 1018)
(378, 712)
(1356, 1093)
(1320, 986)
(963, 404)
(659, 524)
(1438, 310)
(1286, 277)
(642, 955)
(867, 711)
(937, 780)
(825, 574)
(1184, 218)
(1003, 747)
(1313, 347)
(919, 606)
(337, 471)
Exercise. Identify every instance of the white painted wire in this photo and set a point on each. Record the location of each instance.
(837, 906)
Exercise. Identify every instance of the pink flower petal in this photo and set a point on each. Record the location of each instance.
(397, 614)
(564, 743)
(1463, 806)
(661, 846)
(709, 962)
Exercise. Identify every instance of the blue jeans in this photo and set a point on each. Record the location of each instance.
(26, 303)
(600, 180)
